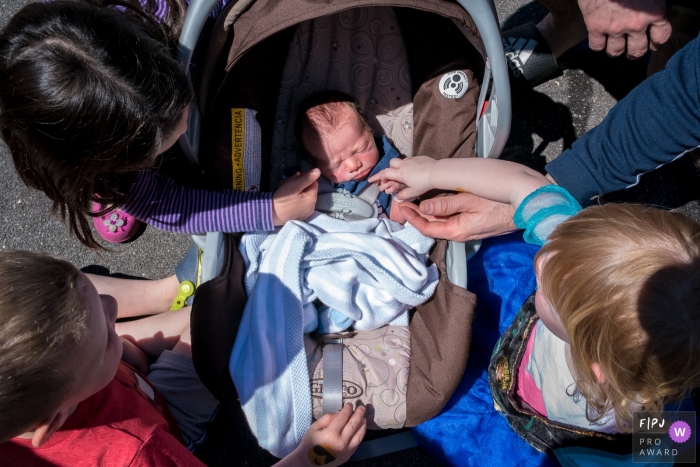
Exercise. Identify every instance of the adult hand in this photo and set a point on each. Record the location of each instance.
(461, 217)
(295, 198)
(616, 25)
(331, 440)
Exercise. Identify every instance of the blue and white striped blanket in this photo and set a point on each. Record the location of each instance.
(372, 271)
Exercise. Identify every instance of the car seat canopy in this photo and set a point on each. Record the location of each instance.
(375, 62)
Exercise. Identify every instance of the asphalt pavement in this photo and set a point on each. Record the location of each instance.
(546, 120)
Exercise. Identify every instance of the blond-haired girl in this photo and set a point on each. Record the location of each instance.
(612, 328)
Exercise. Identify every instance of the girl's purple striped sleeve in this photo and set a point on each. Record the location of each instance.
(158, 201)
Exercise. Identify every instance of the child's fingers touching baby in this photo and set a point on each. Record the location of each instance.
(413, 172)
(390, 187)
(394, 187)
(295, 199)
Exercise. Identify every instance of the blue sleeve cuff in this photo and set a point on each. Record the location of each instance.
(571, 174)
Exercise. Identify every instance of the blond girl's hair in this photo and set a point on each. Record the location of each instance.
(625, 280)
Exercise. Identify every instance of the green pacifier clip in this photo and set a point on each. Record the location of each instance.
(185, 291)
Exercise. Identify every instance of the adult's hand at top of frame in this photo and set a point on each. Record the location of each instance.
(461, 217)
(619, 25)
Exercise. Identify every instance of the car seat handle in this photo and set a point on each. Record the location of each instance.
(197, 13)
(483, 12)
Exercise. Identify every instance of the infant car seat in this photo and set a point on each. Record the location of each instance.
(264, 21)
(243, 68)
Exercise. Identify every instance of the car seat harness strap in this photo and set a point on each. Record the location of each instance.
(332, 375)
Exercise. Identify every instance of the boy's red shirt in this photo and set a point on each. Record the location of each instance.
(124, 424)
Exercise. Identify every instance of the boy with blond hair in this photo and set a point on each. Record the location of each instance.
(67, 398)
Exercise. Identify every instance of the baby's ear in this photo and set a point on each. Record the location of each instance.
(51, 425)
(598, 372)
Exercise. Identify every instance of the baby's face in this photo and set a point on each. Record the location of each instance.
(348, 153)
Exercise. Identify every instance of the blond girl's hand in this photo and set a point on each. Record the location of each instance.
(414, 172)
(390, 187)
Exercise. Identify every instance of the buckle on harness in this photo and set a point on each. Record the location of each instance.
(342, 205)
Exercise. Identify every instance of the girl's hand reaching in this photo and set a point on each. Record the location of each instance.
(295, 199)
(413, 172)
(493, 179)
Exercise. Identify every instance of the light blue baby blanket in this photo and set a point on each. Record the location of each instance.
(372, 271)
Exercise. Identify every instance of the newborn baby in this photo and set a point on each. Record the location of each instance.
(337, 138)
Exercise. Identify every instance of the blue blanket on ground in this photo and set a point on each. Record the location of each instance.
(469, 431)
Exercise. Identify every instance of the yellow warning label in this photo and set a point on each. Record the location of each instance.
(237, 147)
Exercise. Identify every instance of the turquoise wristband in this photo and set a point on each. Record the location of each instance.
(558, 206)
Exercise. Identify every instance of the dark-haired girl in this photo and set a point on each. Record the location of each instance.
(91, 94)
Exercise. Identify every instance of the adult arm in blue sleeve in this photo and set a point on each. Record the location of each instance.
(658, 122)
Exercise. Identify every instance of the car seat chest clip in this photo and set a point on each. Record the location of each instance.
(341, 204)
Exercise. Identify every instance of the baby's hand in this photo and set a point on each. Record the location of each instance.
(414, 172)
(295, 198)
(332, 439)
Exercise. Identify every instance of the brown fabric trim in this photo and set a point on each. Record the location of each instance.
(443, 127)
(216, 315)
(441, 331)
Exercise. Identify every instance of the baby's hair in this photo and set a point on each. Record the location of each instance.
(321, 112)
(42, 326)
(625, 280)
(88, 92)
